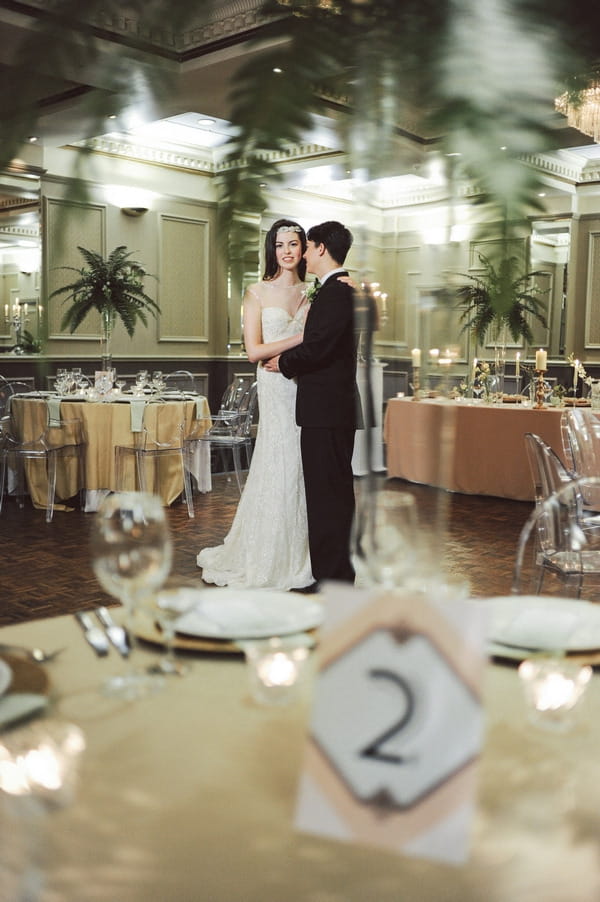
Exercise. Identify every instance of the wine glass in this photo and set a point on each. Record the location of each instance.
(385, 542)
(131, 557)
(165, 607)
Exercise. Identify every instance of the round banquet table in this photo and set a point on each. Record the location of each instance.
(190, 794)
(106, 425)
(477, 449)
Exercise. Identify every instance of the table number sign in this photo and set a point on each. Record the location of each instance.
(396, 726)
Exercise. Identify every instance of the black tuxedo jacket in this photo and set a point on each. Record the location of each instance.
(325, 362)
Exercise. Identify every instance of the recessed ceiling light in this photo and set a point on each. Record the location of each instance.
(113, 116)
(277, 70)
(32, 139)
(206, 121)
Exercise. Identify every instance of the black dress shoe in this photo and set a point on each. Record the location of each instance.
(307, 590)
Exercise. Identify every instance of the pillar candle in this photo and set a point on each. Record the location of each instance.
(575, 373)
(518, 364)
(416, 357)
(541, 358)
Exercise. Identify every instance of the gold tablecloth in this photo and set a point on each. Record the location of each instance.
(190, 795)
(476, 449)
(105, 425)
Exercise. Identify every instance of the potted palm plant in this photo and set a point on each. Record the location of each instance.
(502, 298)
(111, 286)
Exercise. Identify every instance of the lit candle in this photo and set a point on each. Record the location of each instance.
(518, 364)
(434, 353)
(541, 358)
(384, 303)
(6, 311)
(474, 366)
(416, 357)
(575, 374)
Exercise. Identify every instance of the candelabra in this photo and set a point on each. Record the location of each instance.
(14, 318)
(540, 389)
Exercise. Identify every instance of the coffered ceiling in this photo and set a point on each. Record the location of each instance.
(189, 125)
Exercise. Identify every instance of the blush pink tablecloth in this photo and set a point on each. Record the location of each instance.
(472, 448)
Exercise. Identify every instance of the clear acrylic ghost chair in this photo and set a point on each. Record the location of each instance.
(231, 428)
(180, 380)
(547, 469)
(148, 448)
(558, 541)
(62, 442)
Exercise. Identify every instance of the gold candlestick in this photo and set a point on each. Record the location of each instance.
(539, 389)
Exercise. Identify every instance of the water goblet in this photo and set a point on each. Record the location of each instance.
(157, 381)
(385, 546)
(165, 607)
(131, 557)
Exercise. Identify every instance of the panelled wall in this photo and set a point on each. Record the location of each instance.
(200, 300)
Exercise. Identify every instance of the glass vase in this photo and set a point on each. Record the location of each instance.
(105, 339)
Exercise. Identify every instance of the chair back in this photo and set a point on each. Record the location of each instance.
(234, 394)
(180, 380)
(583, 431)
(547, 470)
(8, 388)
(246, 410)
(560, 537)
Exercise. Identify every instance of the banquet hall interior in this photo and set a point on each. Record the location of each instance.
(209, 789)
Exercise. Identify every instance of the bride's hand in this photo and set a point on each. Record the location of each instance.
(347, 281)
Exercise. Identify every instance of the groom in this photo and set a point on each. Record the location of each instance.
(326, 405)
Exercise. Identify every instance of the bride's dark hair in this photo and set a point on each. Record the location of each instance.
(271, 265)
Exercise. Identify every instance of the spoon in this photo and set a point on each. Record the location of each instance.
(34, 654)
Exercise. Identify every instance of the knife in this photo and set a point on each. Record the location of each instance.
(93, 634)
(117, 634)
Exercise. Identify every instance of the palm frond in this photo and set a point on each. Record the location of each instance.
(114, 285)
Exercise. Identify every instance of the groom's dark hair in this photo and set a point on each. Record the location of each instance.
(335, 236)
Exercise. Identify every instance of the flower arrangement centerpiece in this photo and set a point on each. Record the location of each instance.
(111, 286)
(482, 375)
(579, 373)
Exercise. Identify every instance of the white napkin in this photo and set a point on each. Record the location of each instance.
(19, 705)
(53, 411)
(200, 407)
(137, 406)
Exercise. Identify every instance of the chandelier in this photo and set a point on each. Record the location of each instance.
(583, 110)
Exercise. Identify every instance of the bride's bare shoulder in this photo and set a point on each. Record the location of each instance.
(254, 292)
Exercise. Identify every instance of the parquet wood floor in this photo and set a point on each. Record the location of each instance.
(46, 571)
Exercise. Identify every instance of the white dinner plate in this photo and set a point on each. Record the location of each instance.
(5, 676)
(246, 613)
(544, 623)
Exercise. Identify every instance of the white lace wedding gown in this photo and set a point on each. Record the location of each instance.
(267, 545)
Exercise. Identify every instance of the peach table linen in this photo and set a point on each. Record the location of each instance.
(189, 796)
(472, 448)
(105, 425)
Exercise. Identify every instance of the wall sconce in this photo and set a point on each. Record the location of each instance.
(134, 211)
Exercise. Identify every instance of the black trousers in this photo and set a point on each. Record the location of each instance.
(329, 487)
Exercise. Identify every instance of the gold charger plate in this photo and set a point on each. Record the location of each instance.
(27, 676)
(150, 632)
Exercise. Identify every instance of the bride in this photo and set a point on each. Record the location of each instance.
(267, 545)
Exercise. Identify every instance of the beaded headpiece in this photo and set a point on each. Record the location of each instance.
(290, 228)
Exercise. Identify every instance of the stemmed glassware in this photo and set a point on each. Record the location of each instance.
(157, 382)
(165, 608)
(131, 557)
(385, 542)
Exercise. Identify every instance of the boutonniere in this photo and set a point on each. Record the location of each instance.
(312, 291)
